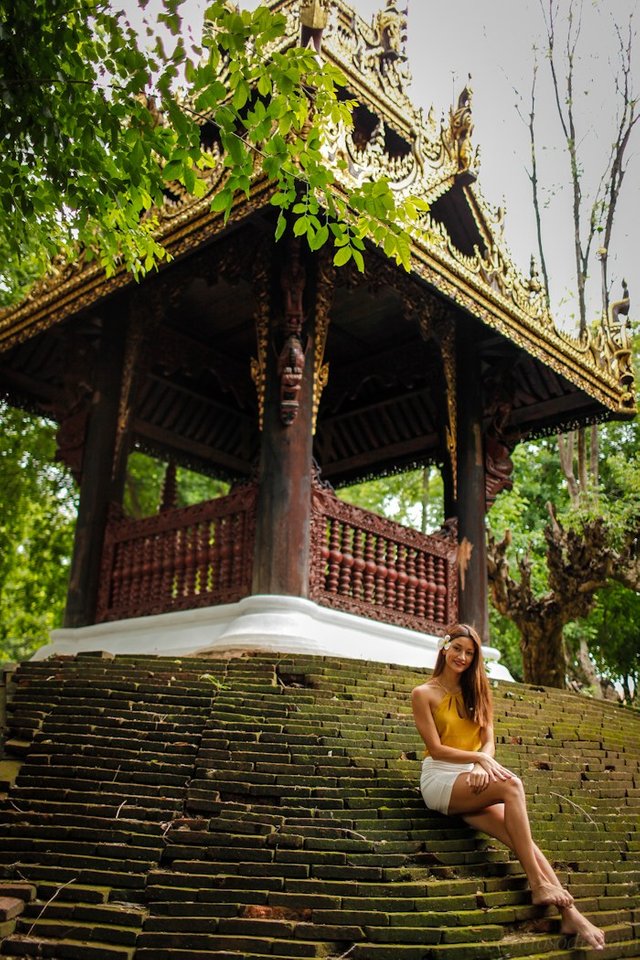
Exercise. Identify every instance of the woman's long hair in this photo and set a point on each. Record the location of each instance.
(476, 694)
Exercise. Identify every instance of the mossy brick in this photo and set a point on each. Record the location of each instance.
(301, 856)
(69, 950)
(305, 901)
(396, 951)
(315, 885)
(206, 778)
(10, 907)
(475, 934)
(204, 943)
(118, 914)
(92, 932)
(238, 926)
(213, 881)
(371, 917)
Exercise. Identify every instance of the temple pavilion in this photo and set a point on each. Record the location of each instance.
(259, 362)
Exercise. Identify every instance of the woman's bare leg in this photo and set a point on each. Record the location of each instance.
(465, 800)
(491, 821)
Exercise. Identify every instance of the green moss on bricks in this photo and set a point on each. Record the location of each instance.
(265, 819)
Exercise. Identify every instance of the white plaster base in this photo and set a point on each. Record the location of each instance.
(270, 623)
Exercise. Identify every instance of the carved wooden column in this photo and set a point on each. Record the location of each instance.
(472, 546)
(281, 558)
(96, 489)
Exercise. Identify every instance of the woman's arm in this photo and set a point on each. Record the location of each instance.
(488, 741)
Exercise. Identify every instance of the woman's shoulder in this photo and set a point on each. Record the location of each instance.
(427, 692)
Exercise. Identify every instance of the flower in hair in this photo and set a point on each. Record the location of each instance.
(444, 642)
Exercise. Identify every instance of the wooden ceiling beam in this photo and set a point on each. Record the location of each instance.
(425, 446)
(169, 442)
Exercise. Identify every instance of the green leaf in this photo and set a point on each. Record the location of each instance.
(342, 256)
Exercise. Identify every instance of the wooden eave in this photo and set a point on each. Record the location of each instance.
(197, 226)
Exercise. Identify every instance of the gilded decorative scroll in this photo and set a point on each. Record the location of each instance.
(72, 405)
(447, 342)
(261, 292)
(324, 298)
(145, 317)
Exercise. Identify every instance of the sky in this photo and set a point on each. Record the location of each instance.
(493, 42)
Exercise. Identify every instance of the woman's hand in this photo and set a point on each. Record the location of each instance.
(478, 779)
(493, 769)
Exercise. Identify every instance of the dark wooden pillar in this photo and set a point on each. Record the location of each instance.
(96, 490)
(283, 523)
(471, 499)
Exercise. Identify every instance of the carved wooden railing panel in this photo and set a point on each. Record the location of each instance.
(180, 559)
(369, 566)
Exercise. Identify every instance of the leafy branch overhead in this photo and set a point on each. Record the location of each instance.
(96, 128)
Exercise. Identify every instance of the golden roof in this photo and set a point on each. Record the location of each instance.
(461, 253)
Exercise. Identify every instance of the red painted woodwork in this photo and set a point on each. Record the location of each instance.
(195, 556)
(203, 555)
(369, 566)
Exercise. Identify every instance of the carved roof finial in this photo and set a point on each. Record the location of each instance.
(314, 15)
(461, 128)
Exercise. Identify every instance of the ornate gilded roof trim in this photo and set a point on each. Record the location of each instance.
(76, 286)
(571, 358)
(439, 155)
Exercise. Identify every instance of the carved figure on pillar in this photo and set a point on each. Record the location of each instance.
(290, 371)
(71, 408)
(498, 464)
(292, 355)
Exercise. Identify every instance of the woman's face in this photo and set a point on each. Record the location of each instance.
(460, 654)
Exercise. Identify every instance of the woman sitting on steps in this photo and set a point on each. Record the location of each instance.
(461, 777)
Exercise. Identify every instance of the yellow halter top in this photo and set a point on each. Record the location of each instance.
(453, 729)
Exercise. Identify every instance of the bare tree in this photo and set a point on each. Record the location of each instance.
(594, 217)
(579, 562)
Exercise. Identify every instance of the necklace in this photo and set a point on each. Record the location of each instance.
(446, 689)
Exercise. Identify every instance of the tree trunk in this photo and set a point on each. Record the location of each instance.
(566, 442)
(543, 658)
(579, 563)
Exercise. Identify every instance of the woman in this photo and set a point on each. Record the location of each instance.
(461, 777)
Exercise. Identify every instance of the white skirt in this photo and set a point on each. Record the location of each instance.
(436, 782)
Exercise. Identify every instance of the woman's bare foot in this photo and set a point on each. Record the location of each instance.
(575, 924)
(550, 894)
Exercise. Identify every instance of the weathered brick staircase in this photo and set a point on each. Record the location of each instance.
(266, 806)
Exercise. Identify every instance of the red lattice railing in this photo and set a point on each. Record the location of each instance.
(366, 565)
(203, 556)
(181, 559)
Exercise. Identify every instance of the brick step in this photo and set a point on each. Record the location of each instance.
(107, 832)
(72, 849)
(123, 915)
(114, 796)
(20, 946)
(109, 770)
(74, 811)
(433, 935)
(107, 807)
(157, 742)
(105, 725)
(518, 945)
(34, 873)
(84, 894)
(83, 786)
(203, 944)
(294, 948)
(49, 928)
